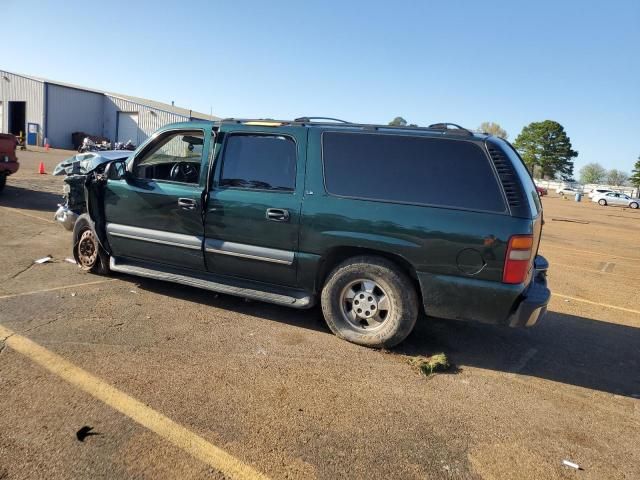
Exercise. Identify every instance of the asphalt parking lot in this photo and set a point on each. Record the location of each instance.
(181, 383)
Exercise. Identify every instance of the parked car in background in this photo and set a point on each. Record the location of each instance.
(541, 191)
(296, 212)
(599, 191)
(567, 191)
(8, 160)
(616, 199)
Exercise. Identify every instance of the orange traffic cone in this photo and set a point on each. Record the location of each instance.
(41, 169)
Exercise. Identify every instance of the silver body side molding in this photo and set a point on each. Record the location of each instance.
(191, 242)
(252, 252)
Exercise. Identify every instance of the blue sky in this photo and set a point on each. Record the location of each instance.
(576, 62)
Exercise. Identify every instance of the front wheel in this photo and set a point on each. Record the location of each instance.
(602, 202)
(87, 250)
(634, 205)
(370, 301)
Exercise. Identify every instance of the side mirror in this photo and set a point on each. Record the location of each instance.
(116, 171)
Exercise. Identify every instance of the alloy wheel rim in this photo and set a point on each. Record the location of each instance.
(365, 304)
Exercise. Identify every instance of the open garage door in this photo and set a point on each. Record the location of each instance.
(128, 127)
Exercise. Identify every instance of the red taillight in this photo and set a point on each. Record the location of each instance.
(518, 259)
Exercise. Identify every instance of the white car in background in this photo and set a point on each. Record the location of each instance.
(599, 191)
(567, 191)
(618, 199)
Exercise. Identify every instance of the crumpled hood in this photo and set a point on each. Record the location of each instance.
(83, 163)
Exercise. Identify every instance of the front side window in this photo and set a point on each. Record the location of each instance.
(261, 162)
(418, 170)
(175, 157)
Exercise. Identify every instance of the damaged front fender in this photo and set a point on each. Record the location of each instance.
(95, 187)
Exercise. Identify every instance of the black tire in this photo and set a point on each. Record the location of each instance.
(3, 181)
(393, 288)
(602, 202)
(87, 250)
(633, 205)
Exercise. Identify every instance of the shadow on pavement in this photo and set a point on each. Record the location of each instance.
(26, 199)
(562, 348)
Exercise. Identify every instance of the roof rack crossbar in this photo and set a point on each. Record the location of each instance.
(312, 119)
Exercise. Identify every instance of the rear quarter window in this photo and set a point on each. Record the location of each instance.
(410, 169)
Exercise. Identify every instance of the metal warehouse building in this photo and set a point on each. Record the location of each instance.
(53, 110)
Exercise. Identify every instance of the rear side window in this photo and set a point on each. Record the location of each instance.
(261, 162)
(408, 169)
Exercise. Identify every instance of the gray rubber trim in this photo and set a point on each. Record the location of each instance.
(252, 252)
(192, 242)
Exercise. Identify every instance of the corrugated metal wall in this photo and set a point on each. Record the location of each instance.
(70, 110)
(149, 119)
(21, 89)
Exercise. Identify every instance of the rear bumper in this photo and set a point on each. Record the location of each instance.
(8, 167)
(533, 304)
(460, 298)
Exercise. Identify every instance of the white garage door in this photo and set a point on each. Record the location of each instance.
(128, 127)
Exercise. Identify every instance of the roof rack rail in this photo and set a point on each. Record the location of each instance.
(311, 119)
(447, 127)
(441, 128)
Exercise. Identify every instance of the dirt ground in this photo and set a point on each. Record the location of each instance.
(274, 389)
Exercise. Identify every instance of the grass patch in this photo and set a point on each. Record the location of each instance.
(430, 365)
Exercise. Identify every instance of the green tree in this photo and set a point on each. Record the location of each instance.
(494, 129)
(547, 145)
(616, 177)
(634, 179)
(401, 122)
(592, 173)
(398, 122)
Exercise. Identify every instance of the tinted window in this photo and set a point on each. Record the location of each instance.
(410, 169)
(266, 162)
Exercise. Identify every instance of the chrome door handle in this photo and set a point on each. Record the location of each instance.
(277, 214)
(187, 203)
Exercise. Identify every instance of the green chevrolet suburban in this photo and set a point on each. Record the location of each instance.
(371, 221)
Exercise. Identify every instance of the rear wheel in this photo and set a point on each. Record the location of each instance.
(370, 301)
(602, 202)
(634, 205)
(87, 249)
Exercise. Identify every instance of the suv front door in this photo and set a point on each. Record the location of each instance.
(253, 210)
(154, 213)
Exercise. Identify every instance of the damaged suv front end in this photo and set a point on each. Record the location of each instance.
(77, 170)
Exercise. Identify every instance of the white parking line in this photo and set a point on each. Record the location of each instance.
(606, 305)
(77, 285)
(13, 210)
(528, 355)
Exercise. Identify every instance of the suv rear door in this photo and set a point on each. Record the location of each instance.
(253, 210)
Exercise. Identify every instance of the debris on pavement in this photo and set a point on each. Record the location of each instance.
(84, 432)
(70, 260)
(46, 259)
(430, 365)
(73, 294)
(569, 220)
(571, 464)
